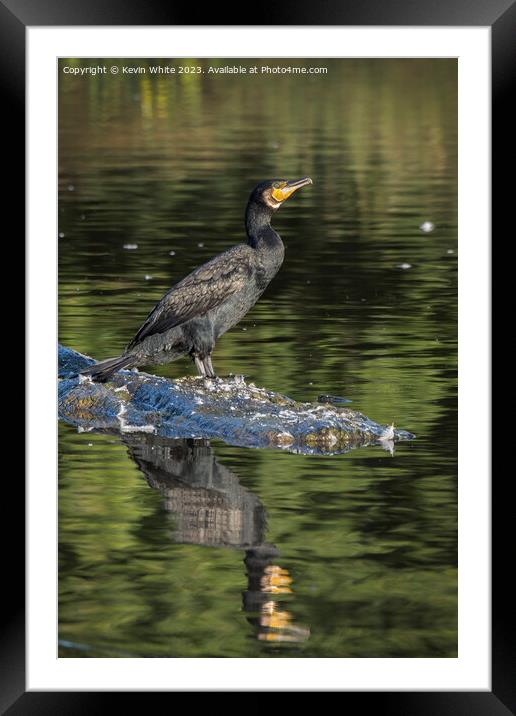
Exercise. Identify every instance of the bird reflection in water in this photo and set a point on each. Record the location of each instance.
(209, 507)
(266, 580)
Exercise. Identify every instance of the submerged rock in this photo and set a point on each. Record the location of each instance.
(224, 408)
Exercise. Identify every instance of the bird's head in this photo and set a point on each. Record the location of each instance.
(274, 192)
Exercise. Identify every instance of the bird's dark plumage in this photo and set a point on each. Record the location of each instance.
(197, 310)
(204, 289)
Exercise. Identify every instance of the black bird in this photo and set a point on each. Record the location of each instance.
(212, 299)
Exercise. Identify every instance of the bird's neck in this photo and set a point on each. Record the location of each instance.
(260, 234)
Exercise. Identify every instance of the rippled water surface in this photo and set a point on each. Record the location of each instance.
(171, 548)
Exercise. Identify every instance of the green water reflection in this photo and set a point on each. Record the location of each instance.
(366, 542)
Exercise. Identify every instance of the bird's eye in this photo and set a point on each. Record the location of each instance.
(276, 185)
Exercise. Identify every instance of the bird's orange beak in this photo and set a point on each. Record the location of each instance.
(288, 188)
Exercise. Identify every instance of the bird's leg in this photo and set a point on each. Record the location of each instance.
(208, 367)
(201, 370)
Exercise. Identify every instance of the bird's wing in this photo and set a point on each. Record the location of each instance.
(205, 288)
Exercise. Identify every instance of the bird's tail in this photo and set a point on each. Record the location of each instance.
(102, 372)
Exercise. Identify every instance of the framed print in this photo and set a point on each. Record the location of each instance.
(305, 503)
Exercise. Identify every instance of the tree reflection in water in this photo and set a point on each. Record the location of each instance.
(209, 507)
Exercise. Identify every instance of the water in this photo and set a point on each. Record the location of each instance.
(193, 549)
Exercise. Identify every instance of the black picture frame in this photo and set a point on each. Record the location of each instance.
(500, 16)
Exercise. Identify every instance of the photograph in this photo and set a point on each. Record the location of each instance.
(257, 325)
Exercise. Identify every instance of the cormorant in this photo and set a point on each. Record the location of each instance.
(214, 297)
